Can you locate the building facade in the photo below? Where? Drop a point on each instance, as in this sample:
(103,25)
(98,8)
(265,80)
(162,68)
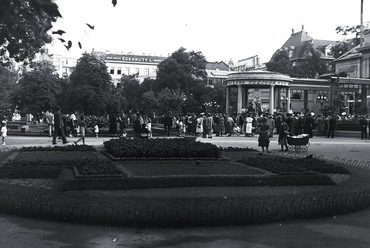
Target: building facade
(353,74)
(144,66)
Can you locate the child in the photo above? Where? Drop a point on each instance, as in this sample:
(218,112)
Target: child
(3,132)
(96,130)
(82,128)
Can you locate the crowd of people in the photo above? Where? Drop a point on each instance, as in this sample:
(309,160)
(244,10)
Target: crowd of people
(204,125)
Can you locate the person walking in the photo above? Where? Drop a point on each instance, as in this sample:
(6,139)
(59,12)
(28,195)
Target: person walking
(332,122)
(82,130)
(4,132)
(263,139)
(58,126)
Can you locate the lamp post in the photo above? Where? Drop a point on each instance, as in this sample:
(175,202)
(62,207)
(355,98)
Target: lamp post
(321,99)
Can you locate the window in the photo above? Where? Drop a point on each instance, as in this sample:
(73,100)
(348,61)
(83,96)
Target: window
(119,70)
(127,71)
(137,71)
(146,72)
(111,70)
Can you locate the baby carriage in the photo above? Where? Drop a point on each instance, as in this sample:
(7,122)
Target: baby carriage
(299,143)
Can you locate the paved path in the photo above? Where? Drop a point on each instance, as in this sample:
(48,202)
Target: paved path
(338,231)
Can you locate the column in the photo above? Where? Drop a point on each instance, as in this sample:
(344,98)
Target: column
(272,99)
(305,101)
(240,100)
(364,98)
(227,100)
(288,99)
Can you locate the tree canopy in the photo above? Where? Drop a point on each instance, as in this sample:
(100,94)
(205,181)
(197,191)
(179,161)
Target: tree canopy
(23,28)
(280,63)
(90,88)
(7,86)
(182,71)
(39,89)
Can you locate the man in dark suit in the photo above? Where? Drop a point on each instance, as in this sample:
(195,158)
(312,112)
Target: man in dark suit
(58,126)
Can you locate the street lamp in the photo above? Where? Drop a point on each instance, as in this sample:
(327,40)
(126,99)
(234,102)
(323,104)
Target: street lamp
(321,99)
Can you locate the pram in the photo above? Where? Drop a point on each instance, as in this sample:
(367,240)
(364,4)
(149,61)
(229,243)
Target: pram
(299,143)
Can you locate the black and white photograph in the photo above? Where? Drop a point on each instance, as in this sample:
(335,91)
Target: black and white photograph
(184,124)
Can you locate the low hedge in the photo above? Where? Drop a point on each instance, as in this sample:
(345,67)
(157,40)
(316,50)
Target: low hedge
(80,148)
(84,166)
(289,166)
(68,181)
(160,148)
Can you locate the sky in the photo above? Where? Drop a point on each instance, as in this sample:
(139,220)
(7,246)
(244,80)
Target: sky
(221,30)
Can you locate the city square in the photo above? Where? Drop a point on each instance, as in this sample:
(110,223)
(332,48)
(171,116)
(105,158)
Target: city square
(171,126)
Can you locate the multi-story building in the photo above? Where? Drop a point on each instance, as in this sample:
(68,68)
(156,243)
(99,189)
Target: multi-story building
(299,43)
(249,64)
(63,65)
(217,72)
(145,66)
(354,67)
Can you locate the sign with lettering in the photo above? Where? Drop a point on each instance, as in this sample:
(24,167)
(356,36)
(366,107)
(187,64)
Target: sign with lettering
(257,82)
(134,58)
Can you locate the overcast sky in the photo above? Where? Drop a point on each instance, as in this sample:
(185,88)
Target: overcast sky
(221,30)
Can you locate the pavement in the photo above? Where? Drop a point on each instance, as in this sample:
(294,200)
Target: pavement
(349,230)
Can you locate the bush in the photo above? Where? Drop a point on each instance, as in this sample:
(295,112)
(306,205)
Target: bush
(160,148)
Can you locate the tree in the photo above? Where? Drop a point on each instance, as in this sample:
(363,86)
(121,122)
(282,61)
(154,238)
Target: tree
(339,49)
(90,89)
(23,28)
(7,86)
(311,66)
(280,63)
(131,91)
(181,72)
(38,90)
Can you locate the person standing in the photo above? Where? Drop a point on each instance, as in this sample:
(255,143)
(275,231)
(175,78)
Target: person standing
(96,130)
(167,123)
(363,125)
(209,125)
(271,124)
(82,130)
(248,127)
(4,132)
(283,133)
(113,124)
(199,128)
(59,127)
(50,121)
(332,122)
(263,138)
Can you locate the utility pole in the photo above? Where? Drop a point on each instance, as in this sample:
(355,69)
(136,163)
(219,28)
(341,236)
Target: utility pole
(362,24)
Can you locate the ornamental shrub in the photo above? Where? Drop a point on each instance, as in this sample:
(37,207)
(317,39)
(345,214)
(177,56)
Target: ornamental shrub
(160,148)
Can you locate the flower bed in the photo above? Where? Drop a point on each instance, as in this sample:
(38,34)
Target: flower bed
(160,149)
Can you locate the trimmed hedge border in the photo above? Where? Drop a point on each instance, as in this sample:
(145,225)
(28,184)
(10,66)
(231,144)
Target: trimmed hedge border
(140,212)
(69,180)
